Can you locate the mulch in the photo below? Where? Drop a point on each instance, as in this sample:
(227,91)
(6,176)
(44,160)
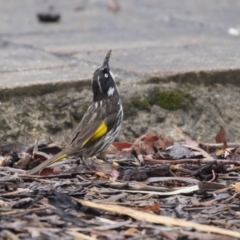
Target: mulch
(151,188)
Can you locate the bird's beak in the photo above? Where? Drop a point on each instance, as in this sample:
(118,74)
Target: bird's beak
(105,63)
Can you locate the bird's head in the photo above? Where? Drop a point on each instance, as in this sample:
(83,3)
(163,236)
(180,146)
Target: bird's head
(103,82)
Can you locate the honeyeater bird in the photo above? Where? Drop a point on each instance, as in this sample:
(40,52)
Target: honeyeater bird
(100,124)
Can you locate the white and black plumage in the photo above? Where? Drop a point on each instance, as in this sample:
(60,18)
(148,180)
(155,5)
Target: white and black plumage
(100,124)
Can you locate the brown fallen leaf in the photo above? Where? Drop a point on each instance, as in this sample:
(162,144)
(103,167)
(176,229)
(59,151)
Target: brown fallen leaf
(40,156)
(101,175)
(131,231)
(237,186)
(144,144)
(54,170)
(2,160)
(47,172)
(122,145)
(163,142)
(219,152)
(123,148)
(221,137)
(155,208)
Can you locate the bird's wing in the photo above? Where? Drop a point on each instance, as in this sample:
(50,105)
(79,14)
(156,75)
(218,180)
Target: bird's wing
(87,131)
(91,127)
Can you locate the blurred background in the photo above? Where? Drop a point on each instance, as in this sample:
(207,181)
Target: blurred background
(176,63)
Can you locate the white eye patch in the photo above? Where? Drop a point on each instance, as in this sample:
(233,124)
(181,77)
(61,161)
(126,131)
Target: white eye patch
(105,75)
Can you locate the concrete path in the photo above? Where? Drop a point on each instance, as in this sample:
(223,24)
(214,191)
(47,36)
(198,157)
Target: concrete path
(148,38)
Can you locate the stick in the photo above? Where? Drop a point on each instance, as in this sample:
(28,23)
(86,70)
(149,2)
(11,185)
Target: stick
(152,218)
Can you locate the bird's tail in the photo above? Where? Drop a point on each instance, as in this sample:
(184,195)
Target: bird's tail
(48,162)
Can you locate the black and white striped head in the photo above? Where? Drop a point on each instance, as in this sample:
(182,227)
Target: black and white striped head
(103,82)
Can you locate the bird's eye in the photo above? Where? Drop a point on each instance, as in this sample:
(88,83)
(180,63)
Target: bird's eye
(105,75)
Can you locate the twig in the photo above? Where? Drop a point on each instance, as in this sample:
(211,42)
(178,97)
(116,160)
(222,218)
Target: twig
(181,190)
(80,236)
(141,187)
(232,169)
(214,176)
(231,198)
(181,179)
(210,186)
(180,161)
(23,211)
(107,226)
(12,170)
(148,217)
(204,153)
(201,204)
(212,147)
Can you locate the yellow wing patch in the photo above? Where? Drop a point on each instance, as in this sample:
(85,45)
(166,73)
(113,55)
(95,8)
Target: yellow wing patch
(101,130)
(58,158)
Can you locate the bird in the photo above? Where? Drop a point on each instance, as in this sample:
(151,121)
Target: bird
(100,124)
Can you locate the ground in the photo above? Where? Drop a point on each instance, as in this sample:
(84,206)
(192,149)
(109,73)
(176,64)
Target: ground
(151,188)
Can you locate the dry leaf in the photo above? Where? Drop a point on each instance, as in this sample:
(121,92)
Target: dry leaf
(51,171)
(152,208)
(122,145)
(2,159)
(3,204)
(163,142)
(219,152)
(101,174)
(131,231)
(237,186)
(221,137)
(144,144)
(46,172)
